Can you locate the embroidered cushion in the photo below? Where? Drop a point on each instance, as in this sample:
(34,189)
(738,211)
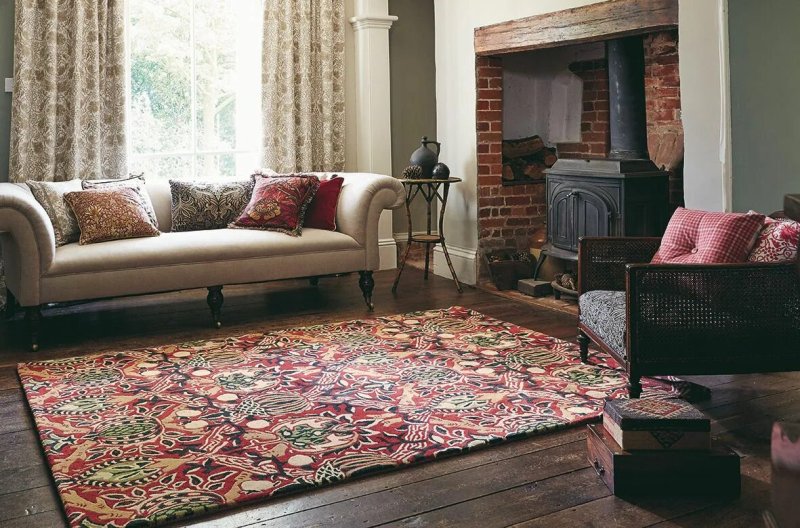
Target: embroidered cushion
(604,313)
(777,241)
(50,196)
(110,214)
(702,237)
(134,182)
(322,209)
(278,204)
(207,205)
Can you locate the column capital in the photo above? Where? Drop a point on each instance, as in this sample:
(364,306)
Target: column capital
(372,22)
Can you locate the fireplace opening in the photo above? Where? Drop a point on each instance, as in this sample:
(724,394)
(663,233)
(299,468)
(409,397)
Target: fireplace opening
(549,110)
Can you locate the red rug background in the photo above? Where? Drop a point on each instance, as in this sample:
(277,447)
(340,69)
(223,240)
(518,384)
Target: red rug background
(157,434)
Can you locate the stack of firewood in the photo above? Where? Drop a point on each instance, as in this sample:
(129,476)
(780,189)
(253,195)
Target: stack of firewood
(526,159)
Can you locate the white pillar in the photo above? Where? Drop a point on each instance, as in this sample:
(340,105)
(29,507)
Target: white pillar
(371,25)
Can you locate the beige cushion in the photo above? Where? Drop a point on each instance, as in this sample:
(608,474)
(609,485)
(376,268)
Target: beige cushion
(192,247)
(51,197)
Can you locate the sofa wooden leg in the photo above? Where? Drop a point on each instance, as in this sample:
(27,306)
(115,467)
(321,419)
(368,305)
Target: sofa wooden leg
(33,315)
(215,300)
(634,386)
(313,281)
(583,343)
(367,284)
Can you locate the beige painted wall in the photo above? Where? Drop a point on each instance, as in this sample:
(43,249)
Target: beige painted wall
(703,92)
(6,70)
(413,86)
(765,108)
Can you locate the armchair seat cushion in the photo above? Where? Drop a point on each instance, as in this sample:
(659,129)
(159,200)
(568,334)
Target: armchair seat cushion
(603,312)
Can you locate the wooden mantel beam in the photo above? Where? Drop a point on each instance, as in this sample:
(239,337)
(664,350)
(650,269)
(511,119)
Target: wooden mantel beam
(591,23)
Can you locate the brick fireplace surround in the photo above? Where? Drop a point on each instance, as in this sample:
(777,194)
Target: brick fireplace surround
(513,216)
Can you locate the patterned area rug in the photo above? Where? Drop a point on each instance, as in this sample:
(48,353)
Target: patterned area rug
(143,437)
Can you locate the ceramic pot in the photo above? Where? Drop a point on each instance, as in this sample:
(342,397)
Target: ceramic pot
(425,157)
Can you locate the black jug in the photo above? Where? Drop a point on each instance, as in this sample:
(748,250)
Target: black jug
(425,157)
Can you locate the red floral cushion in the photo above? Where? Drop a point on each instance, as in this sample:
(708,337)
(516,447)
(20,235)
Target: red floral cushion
(777,241)
(322,210)
(278,204)
(702,237)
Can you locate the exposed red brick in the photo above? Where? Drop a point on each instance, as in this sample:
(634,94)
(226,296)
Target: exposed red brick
(490,93)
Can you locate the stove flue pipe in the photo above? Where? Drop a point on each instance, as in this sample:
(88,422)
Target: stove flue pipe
(628,116)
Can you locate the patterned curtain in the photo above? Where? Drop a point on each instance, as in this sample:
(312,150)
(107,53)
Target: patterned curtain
(68,107)
(303,85)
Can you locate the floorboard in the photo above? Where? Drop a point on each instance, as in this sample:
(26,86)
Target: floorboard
(538,482)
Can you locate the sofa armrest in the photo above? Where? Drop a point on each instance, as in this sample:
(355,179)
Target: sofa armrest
(602,260)
(28,242)
(364,196)
(715,315)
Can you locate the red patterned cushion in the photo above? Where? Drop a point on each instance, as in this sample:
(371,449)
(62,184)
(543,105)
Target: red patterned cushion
(322,211)
(278,204)
(702,237)
(777,241)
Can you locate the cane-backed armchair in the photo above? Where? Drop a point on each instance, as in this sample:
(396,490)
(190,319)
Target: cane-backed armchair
(683,319)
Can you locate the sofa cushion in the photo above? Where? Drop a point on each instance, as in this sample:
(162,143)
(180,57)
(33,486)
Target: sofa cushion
(702,237)
(207,205)
(50,196)
(190,247)
(134,182)
(777,241)
(278,204)
(112,213)
(603,312)
(322,209)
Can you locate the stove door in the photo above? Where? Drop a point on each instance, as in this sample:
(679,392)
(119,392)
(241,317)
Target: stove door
(561,221)
(592,215)
(576,211)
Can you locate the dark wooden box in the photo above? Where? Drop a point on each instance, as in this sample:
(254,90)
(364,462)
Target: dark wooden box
(665,473)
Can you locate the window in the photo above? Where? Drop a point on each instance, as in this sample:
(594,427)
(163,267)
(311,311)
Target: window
(194,87)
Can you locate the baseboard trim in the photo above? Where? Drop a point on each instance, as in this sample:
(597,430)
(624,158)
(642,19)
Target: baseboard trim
(465,263)
(387,250)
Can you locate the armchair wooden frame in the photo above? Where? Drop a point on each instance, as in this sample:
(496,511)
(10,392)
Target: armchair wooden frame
(684,319)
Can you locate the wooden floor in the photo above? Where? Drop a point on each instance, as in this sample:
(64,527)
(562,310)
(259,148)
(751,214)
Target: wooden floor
(540,482)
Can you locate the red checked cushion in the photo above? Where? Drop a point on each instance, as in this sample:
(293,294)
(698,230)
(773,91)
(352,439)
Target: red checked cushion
(278,204)
(322,210)
(702,237)
(777,241)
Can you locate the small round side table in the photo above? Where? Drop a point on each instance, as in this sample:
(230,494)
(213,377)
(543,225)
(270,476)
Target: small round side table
(429,189)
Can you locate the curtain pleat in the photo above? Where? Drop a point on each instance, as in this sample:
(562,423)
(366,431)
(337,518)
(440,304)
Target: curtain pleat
(68,105)
(303,85)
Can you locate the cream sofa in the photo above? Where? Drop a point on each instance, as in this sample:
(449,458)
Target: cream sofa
(38,273)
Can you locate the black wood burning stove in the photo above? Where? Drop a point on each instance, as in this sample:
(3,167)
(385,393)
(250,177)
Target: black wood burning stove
(623,195)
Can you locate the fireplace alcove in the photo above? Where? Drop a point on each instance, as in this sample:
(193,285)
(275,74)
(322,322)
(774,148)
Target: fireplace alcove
(610,186)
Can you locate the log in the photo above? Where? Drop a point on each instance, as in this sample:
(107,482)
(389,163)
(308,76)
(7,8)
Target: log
(534,171)
(519,148)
